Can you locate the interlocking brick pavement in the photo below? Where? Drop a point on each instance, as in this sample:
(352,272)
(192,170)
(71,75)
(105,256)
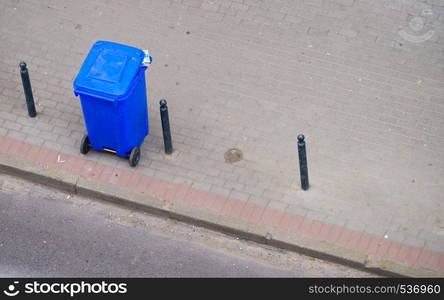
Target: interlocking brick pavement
(252,75)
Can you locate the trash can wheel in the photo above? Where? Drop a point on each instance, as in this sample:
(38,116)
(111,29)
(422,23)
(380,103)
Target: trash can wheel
(85,144)
(134,157)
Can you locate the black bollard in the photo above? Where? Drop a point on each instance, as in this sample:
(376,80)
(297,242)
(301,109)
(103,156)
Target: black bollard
(166,127)
(27,89)
(303,162)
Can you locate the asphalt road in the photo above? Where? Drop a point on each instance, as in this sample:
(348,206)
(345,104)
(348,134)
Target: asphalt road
(48,233)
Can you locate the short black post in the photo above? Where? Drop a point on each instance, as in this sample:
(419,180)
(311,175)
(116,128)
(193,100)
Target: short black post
(303,162)
(166,127)
(27,89)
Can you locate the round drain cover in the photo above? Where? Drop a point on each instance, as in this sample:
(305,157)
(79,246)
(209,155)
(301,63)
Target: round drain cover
(233,155)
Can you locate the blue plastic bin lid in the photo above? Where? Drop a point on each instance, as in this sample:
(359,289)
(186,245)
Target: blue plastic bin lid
(109,70)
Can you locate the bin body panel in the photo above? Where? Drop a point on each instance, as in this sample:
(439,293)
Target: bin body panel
(117,120)
(117,125)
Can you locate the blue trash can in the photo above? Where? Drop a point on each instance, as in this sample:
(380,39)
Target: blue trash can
(112,90)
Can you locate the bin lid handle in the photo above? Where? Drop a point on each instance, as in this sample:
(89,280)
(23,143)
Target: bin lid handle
(147,60)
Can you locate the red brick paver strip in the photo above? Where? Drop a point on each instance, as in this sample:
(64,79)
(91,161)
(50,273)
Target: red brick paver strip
(255,214)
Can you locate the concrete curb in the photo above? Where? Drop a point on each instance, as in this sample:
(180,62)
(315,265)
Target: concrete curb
(202,217)
(35,172)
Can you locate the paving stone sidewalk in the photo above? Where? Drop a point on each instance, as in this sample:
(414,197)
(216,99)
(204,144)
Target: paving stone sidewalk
(363,80)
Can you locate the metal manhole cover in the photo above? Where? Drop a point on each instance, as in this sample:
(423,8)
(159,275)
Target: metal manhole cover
(233,155)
